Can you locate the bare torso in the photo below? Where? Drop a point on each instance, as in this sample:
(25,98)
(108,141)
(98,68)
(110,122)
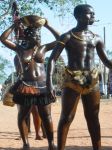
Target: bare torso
(80,50)
(32,62)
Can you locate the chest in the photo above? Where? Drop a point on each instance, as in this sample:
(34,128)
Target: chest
(79,50)
(81,43)
(32,56)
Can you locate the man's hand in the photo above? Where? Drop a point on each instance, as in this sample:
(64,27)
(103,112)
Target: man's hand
(51,92)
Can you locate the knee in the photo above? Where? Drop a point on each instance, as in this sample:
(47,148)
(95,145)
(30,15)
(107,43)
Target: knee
(21,118)
(93,116)
(66,119)
(47,118)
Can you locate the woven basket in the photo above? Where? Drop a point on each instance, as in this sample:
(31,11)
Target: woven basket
(33,20)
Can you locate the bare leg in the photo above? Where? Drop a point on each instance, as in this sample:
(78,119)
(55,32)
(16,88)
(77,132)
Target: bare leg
(43,130)
(27,119)
(91,103)
(23,128)
(37,121)
(70,100)
(45,114)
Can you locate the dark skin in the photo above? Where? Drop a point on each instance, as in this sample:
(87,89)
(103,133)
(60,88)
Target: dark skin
(34,110)
(80,54)
(35,72)
(37,121)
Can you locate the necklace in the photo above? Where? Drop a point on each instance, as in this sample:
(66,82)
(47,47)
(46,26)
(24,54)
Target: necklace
(81,39)
(33,56)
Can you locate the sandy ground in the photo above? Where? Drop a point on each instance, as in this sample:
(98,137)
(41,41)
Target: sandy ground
(78,136)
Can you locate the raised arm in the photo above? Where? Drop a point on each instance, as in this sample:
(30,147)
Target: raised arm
(51,45)
(101,53)
(4,38)
(52,30)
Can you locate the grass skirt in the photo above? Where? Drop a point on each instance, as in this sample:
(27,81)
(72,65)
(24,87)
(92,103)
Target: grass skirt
(27,100)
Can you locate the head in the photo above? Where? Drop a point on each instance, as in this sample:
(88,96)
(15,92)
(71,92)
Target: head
(32,34)
(84,13)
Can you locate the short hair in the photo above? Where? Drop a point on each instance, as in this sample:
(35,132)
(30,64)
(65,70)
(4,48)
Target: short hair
(80,9)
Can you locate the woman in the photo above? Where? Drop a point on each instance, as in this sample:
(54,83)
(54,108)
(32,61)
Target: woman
(34,110)
(31,55)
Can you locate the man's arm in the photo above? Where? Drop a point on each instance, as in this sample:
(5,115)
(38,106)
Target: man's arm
(50,68)
(50,46)
(52,60)
(100,47)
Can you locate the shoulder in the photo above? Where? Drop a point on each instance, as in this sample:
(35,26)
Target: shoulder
(96,36)
(98,39)
(65,37)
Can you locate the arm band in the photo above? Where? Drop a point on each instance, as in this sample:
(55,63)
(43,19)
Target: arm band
(61,42)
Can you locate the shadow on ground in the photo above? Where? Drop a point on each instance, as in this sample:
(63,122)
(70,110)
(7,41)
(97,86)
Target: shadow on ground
(67,148)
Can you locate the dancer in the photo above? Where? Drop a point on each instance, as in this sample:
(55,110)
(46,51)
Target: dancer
(33,77)
(81,75)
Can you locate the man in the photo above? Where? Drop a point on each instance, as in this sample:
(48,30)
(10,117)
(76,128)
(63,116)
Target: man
(81,76)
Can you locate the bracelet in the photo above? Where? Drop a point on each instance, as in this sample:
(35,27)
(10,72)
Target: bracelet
(61,42)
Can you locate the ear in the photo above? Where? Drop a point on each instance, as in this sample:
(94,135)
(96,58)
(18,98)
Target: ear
(79,18)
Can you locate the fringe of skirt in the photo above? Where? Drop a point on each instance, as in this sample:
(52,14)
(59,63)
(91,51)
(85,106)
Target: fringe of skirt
(27,100)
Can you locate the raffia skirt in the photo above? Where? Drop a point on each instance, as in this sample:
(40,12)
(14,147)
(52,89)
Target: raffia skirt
(27,100)
(82,82)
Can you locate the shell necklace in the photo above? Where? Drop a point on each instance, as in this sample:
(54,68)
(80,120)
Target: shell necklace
(86,37)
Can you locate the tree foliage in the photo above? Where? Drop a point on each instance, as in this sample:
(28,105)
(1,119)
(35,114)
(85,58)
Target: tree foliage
(27,7)
(58,72)
(4,64)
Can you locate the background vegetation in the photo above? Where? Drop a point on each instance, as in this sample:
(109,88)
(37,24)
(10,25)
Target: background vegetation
(27,7)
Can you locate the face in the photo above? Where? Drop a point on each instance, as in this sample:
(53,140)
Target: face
(87,17)
(31,36)
(31,39)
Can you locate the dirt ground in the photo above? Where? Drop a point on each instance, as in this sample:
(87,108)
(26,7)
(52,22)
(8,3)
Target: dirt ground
(78,136)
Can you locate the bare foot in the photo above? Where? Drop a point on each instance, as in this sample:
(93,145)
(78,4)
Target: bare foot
(52,147)
(38,137)
(26,147)
(44,136)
